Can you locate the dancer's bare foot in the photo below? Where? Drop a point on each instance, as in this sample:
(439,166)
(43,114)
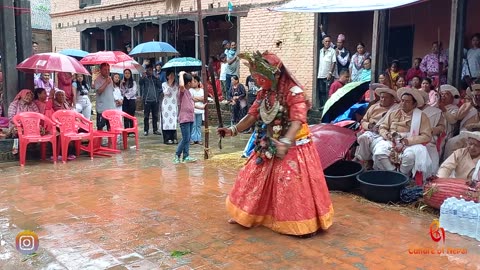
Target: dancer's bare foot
(232,221)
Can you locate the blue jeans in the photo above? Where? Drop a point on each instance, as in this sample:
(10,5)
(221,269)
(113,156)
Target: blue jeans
(228,84)
(184,145)
(197,128)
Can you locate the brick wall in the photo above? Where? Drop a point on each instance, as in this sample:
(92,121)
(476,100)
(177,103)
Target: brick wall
(66,38)
(260,30)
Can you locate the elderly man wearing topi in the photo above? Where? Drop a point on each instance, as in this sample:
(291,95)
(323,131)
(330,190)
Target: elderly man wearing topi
(404,133)
(464,163)
(370,124)
(469,118)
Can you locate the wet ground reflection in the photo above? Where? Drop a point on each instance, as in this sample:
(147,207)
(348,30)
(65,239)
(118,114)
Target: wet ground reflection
(130,211)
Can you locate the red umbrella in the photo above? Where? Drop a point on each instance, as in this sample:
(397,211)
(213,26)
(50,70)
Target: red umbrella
(332,142)
(109,57)
(51,62)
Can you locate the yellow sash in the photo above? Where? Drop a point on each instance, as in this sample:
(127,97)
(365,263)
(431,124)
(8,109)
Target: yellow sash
(303,133)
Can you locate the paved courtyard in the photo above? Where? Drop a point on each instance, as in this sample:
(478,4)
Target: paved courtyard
(137,210)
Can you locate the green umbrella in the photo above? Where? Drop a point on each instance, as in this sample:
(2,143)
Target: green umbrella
(343,99)
(183,62)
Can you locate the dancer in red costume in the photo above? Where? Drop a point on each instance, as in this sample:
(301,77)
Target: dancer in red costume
(282,186)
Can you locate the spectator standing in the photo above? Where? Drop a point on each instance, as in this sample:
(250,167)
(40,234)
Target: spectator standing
(430,64)
(198,96)
(356,63)
(326,67)
(128,88)
(169,108)
(150,90)
(471,65)
(186,117)
(233,65)
(343,55)
(223,74)
(83,104)
(103,85)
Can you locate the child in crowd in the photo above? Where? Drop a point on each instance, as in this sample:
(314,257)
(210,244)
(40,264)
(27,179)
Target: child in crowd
(186,117)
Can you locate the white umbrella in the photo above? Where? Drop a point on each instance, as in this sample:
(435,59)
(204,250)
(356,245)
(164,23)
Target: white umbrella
(331,6)
(133,65)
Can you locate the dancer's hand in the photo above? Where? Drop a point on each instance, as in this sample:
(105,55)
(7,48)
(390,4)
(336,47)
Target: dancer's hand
(282,148)
(224,132)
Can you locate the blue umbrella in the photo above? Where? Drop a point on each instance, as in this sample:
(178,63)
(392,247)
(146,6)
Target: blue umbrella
(153,49)
(183,62)
(74,53)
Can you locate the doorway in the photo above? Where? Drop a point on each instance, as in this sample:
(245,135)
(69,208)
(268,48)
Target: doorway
(400,46)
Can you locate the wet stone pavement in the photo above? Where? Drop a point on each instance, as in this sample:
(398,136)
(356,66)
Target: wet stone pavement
(136,209)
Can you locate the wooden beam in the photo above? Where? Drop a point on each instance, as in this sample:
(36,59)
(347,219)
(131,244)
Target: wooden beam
(381,20)
(23,28)
(8,51)
(203,57)
(457,30)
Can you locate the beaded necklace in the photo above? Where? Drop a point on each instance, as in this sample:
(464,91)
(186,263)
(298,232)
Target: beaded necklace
(276,114)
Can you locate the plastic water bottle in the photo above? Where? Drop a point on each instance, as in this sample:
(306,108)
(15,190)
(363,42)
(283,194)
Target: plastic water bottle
(477,234)
(454,218)
(472,223)
(463,217)
(446,212)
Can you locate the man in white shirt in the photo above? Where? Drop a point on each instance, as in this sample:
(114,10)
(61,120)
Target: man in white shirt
(471,64)
(326,68)
(223,74)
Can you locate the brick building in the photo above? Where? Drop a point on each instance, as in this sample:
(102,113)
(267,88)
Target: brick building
(95,25)
(402,33)
(41,24)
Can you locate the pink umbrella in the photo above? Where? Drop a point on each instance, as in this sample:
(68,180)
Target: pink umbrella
(109,57)
(133,65)
(51,62)
(332,142)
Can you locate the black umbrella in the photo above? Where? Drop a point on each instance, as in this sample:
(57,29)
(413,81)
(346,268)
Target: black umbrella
(343,99)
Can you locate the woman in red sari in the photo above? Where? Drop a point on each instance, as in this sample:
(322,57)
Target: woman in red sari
(282,185)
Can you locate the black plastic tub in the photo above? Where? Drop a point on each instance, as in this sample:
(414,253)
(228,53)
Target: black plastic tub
(342,174)
(382,186)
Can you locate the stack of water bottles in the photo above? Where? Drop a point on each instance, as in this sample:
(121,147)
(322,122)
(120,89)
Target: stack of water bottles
(461,217)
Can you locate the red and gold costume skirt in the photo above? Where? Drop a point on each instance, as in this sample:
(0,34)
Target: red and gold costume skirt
(289,196)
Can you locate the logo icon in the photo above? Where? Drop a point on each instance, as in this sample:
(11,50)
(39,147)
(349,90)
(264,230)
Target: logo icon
(437,233)
(26,242)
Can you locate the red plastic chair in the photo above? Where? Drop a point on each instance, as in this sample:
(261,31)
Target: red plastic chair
(115,118)
(28,126)
(70,124)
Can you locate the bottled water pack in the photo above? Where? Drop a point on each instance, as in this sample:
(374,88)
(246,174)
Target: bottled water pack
(461,217)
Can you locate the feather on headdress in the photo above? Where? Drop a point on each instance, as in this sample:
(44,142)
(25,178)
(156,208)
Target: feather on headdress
(258,64)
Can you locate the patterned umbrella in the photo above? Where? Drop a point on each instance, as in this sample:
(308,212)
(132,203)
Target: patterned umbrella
(332,142)
(153,49)
(343,99)
(133,65)
(74,53)
(109,57)
(51,62)
(183,62)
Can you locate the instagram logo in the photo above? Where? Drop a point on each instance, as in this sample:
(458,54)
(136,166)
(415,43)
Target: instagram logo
(26,242)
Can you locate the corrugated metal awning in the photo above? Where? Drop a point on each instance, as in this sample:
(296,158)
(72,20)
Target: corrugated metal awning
(335,6)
